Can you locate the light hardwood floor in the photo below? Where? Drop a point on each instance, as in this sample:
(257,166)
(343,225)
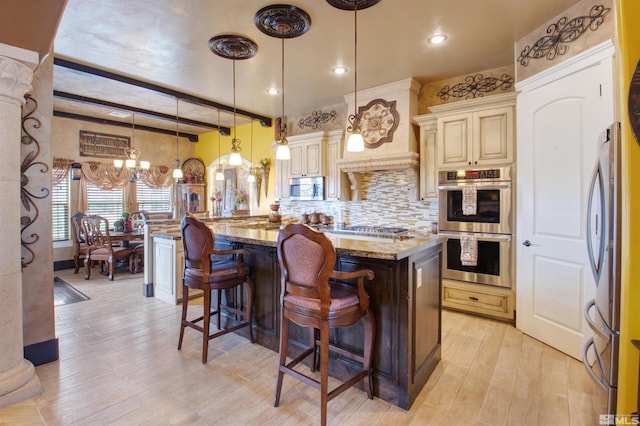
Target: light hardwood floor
(119,366)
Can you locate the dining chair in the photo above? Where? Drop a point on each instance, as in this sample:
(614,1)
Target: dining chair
(208,269)
(100,247)
(80,246)
(137,221)
(313,295)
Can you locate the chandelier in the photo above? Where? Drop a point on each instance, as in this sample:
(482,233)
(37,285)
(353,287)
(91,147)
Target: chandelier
(282,21)
(131,157)
(233,47)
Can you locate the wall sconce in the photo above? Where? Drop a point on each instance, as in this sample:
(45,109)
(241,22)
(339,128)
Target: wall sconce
(76,171)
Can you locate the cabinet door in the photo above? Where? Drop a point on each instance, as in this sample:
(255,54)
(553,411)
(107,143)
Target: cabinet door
(297,161)
(454,136)
(164,271)
(333,171)
(313,157)
(282,179)
(493,136)
(428,173)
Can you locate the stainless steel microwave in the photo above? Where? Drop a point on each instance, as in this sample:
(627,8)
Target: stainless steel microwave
(306,188)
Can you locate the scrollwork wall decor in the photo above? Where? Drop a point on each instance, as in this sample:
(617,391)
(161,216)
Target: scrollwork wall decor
(475,86)
(317,119)
(561,33)
(31,148)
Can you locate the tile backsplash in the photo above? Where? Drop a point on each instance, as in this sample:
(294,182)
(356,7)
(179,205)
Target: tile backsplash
(385,201)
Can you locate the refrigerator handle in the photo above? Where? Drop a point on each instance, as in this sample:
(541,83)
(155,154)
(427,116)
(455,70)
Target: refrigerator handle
(592,261)
(590,320)
(598,380)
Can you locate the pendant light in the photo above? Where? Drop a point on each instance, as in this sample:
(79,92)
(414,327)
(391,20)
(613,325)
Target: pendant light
(282,21)
(235,159)
(355,142)
(233,47)
(282,152)
(251,178)
(177,171)
(219,171)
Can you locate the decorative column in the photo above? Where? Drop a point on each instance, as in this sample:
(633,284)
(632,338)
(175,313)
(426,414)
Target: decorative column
(17,375)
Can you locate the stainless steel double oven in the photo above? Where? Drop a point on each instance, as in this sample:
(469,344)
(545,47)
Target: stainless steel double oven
(491,225)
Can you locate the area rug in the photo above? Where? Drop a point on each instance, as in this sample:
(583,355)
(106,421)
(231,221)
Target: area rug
(64,293)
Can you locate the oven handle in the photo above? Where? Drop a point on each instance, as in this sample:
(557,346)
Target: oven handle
(484,237)
(480,185)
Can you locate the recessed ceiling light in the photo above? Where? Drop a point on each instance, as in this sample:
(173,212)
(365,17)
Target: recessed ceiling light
(119,114)
(339,70)
(273,91)
(437,39)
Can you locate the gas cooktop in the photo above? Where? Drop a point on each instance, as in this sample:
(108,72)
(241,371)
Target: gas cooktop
(367,229)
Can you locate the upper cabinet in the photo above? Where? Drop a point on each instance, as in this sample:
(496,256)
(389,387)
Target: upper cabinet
(476,132)
(428,170)
(306,157)
(314,154)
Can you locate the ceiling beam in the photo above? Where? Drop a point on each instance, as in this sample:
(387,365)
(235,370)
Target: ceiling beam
(264,121)
(80,117)
(94,101)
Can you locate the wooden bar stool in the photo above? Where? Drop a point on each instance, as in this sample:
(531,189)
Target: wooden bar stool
(208,269)
(307,259)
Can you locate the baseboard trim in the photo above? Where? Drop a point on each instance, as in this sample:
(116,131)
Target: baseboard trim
(43,352)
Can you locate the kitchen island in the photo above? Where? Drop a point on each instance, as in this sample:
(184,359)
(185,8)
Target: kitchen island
(405,298)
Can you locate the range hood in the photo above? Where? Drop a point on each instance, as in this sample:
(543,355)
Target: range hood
(400,152)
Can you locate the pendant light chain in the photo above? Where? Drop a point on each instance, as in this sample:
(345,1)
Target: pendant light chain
(355,64)
(177,171)
(283,123)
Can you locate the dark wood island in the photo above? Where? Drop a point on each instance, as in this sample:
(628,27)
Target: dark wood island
(405,297)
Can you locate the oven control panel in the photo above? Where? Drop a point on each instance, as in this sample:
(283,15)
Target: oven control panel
(497,174)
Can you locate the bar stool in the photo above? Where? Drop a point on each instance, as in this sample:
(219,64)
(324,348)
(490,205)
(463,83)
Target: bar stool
(208,269)
(307,259)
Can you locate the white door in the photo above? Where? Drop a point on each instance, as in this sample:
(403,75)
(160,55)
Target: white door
(559,120)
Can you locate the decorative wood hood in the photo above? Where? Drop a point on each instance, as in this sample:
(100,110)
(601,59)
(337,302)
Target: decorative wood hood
(390,139)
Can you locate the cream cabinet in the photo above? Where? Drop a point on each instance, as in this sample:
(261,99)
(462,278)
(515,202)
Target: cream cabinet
(337,183)
(167,269)
(282,176)
(306,157)
(476,132)
(428,168)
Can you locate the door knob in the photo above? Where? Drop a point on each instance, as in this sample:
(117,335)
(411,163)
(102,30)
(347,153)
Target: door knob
(526,243)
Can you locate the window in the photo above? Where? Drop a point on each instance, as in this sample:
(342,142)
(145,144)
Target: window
(60,198)
(153,199)
(104,202)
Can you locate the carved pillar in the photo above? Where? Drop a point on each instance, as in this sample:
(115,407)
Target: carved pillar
(17,375)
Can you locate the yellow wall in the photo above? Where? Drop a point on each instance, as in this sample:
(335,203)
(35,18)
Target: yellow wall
(628,13)
(207,151)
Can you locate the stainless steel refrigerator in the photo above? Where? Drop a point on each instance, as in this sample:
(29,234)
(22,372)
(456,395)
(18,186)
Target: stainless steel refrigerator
(600,353)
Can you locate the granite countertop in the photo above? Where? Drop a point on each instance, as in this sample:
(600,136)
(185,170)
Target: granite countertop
(352,245)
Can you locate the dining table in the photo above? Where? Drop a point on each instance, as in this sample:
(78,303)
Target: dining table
(126,237)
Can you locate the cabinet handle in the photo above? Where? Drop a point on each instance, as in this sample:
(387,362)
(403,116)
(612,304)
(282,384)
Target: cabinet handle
(475,299)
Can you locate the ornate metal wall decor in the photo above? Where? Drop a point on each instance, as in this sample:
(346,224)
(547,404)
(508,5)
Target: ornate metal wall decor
(317,119)
(29,206)
(379,120)
(561,33)
(634,103)
(475,86)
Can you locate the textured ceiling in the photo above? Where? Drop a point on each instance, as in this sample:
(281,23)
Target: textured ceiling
(165,42)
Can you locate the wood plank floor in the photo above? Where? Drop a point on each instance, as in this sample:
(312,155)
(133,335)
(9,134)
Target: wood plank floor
(119,366)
